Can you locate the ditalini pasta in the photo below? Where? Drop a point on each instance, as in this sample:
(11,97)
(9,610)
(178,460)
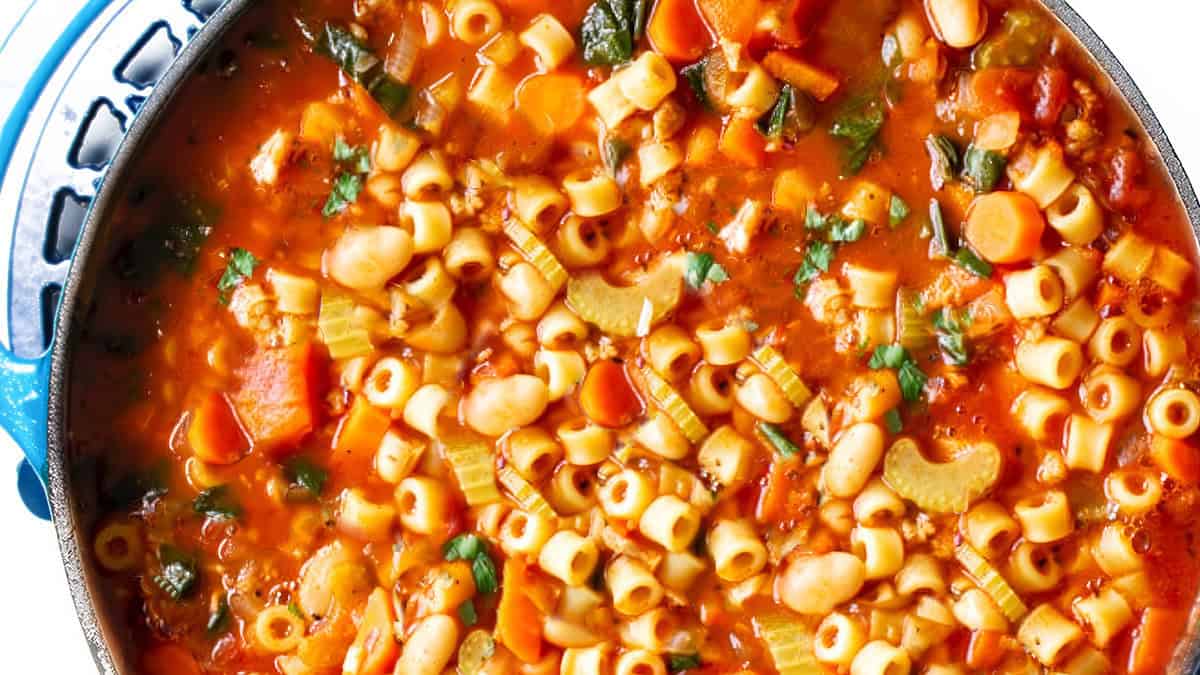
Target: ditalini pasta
(587,337)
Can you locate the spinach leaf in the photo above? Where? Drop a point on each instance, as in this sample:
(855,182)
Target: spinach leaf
(217,502)
(943,160)
(607,38)
(240,267)
(179,574)
(893,421)
(702,267)
(360,64)
(694,76)
(950,336)
(857,127)
(982,169)
(467,613)
(941,236)
(173,242)
(771,124)
(306,480)
(615,152)
(218,619)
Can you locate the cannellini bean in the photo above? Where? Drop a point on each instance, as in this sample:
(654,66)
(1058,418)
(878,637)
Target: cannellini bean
(816,584)
(364,258)
(958,23)
(430,647)
(495,406)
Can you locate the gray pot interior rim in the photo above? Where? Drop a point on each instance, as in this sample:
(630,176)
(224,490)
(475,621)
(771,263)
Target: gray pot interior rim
(62,502)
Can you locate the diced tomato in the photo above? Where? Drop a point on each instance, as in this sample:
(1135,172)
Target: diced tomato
(1125,191)
(731,20)
(359,433)
(607,396)
(677,32)
(1050,95)
(800,20)
(278,400)
(995,90)
(214,434)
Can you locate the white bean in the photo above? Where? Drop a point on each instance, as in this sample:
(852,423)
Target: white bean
(365,258)
(498,405)
(958,23)
(816,584)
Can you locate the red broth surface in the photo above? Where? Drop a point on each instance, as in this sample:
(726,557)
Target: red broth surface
(646,336)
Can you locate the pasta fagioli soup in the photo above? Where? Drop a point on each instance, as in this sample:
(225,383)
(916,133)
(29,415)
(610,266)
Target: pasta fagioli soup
(644,337)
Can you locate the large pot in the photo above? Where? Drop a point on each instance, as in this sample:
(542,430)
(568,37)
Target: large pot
(33,392)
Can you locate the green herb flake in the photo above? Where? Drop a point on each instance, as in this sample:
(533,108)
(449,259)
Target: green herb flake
(463,547)
(487,579)
(677,663)
(943,160)
(179,574)
(305,478)
(982,169)
(971,262)
(471,548)
(950,336)
(818,256)
(814,219)
(892,420)
(239,268)
(771,124)
(346,188)
(615,152)
(858,127)
(912,378)
(898,210)
(778,439)
(702,267)
(847,230)
(466,612)
(712,227)
(217,502)
(357,158)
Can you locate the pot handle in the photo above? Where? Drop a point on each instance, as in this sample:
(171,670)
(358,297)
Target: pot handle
(24,390)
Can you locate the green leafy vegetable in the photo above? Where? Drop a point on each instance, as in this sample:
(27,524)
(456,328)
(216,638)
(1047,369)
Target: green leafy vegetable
(140,485)
(346,188)
(487,579)
(218,619)
(240,267)
(471,548)
(179,573)
(360,64)
(943,160)
(466,612)
(701,267)
(898,210)
(950,336)
(615,152)
(818,256)
(1022,38)
(970,261)
(217,502)
(941,237)
(694,76)
(306,480)
(912,378)
(463,547)
(847,230)
(777,438)
(893,421)
(982,169)
(172,242)
(712,227)
(857,127)
(610,28)
(677,663)
(771,124)
(356,156)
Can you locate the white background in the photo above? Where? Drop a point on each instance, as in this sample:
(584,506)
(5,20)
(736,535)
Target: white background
(1155,39)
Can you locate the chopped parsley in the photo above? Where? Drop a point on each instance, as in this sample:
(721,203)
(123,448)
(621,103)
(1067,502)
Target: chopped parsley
(179,573)
(615,152)
(778,439)
(473,549)
(356,156)
(857,127)
(702,267)
(943,160)
(361,64)
(677,663)
(712,227)
(467,613)
(847,230)
(893,421)
(354,163)
(818,256)
(610,30)
(306,480)
(898,210)
(982,169)
(217,502)
(239,268)
(950,335)
(912,378)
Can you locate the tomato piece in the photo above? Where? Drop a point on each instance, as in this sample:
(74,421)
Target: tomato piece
(214,433)
(1050,95)
(995,90)
(279,396)
(800,20)
(607,396)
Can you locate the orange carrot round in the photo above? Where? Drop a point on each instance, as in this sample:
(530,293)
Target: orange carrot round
(1004,227)
(552,102)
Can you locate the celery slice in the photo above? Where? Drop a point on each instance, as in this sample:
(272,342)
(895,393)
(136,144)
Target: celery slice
(674,406)
(536,253)
(790,643)
(471,461)
(778,370)
(525,494)
(344,337)
(992,583)
(914,332)
(947,487)
(619,310)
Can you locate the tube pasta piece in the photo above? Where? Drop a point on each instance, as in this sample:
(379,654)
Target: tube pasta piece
(773,364)
(536,253)
(947,487)
(992,583)
(471,461)
(674,406)
(523,493)
(343,336)
(627,311)
(790,643)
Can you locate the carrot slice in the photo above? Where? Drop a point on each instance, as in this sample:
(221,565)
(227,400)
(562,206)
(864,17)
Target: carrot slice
(214,433)
(998,131)
(375,645)
(731,20)
(1004,227)
(278,399)
(1177,459)
(607,397)
(677,32)
(169,660)
(801,74)
(742,143)
(552,102)
(1154,640)
(800,19)
(359,433)
(518,625)
(985,649)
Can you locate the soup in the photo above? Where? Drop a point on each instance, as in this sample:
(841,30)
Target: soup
(633,337)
